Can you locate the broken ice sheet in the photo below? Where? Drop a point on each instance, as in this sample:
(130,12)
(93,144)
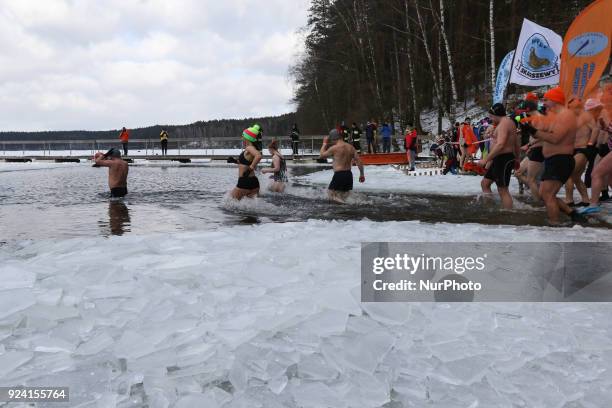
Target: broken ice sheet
(14,276)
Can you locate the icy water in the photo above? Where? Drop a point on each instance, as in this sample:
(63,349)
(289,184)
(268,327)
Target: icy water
(73,201)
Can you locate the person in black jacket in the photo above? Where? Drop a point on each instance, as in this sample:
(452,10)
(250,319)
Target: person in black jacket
(295,140)
(356,137)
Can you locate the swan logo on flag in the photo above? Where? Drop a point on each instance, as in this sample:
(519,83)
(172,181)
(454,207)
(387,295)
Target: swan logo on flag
(587,45)
(538,60)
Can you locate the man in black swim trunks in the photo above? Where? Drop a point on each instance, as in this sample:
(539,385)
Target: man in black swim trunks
(117,171)
(503,157)
(344,155)
(557,131)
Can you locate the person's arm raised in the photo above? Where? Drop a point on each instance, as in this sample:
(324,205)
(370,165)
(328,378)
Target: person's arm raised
(326,151)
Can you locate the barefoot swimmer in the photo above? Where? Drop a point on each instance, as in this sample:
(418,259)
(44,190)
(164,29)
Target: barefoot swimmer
(248,184)
(344,154)
(117,171)
(502,158)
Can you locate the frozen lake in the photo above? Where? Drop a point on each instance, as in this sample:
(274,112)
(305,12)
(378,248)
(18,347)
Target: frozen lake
(181,298)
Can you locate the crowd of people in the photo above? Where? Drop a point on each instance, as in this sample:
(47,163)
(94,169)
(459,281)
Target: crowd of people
(550,147)
(547,145)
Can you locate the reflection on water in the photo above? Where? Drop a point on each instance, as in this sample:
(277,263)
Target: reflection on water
(118,218)
(63,202)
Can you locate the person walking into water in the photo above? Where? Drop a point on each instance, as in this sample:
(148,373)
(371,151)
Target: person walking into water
(295,140)
(248,184)
(278,169)
(117,171)
(344,154)
(124,137)
(584,150)
(163,139)
(557,132)
(502,158)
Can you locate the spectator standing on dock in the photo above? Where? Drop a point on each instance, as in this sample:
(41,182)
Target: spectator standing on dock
(124,136)
(356,137)
(410,143)
(386,138)
(295,140)
(371,137)
(163,139)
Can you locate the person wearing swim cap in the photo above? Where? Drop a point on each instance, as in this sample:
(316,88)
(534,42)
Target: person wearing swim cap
(117,171)
(557,134)
(503,156)
(344,155)
(248,184)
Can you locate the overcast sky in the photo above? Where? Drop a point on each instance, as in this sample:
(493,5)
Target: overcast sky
(103,64)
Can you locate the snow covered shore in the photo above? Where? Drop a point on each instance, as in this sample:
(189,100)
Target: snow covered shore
(269,315)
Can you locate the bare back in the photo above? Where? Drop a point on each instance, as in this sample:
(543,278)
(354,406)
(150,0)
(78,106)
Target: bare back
(343,154)
(117,173)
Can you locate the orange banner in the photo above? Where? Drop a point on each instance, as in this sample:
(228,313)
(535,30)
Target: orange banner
(586,50)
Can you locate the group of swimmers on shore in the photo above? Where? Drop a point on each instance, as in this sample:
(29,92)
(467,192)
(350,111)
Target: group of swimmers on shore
(561,144)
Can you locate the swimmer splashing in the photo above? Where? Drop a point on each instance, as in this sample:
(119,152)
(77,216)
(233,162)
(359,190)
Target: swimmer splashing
(248,184)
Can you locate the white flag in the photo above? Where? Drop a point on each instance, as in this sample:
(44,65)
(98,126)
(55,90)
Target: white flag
(536,61)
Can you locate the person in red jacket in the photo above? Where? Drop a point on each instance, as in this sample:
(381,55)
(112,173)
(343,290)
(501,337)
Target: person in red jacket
(410,143)
(467,140)
(124,136)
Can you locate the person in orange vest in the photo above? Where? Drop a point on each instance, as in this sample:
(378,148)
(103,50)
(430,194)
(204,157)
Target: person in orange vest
(467,142)
(124,136)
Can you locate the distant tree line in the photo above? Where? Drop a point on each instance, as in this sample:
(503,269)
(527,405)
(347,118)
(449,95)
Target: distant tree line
(391,59)
(272,126)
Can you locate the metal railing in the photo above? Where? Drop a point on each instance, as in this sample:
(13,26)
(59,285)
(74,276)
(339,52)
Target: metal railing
(182,146)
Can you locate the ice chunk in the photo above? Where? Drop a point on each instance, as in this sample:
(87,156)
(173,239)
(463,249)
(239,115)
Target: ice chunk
(15,301)
(95,345)
(48,344)
(196,400)
(13,277)
(49,297)
(326,323)
(315,367)
(316,395)
(11,360)
(388,313)
(133,345)
(361,352)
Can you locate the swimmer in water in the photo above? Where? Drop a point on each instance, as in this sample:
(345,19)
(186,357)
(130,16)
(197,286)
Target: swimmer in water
(248,184)
(117,171)
(278,169)
(344,155)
